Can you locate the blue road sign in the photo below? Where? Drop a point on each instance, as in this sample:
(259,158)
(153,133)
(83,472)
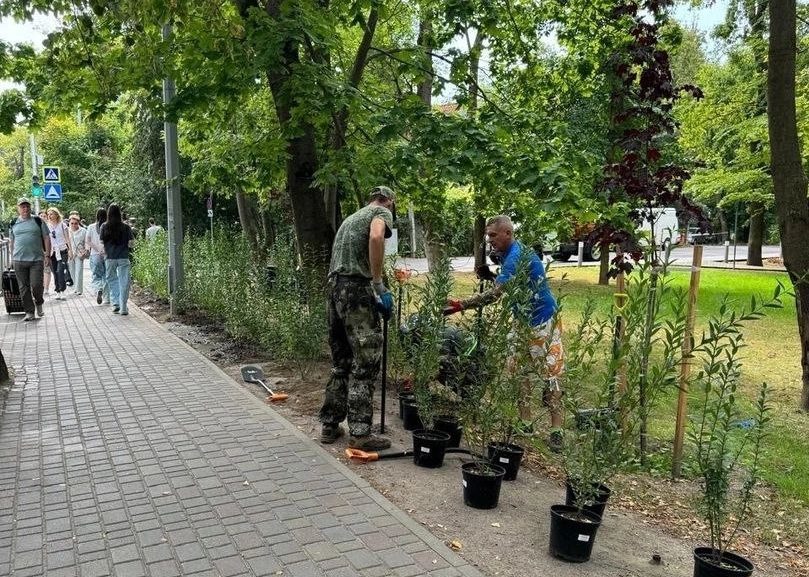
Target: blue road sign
(51,174)
(53,192)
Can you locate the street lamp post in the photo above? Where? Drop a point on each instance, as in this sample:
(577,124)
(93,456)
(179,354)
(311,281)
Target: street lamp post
(174,222)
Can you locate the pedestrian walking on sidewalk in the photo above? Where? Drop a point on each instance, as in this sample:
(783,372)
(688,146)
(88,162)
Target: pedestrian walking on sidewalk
(98,269)
(46,280)
(61,251)
(78,242)
(357,297)
(30,245)
(118,239)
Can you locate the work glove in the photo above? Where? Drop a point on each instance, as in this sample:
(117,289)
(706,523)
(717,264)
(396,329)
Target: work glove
(384,300)
(453,306)
(485,273)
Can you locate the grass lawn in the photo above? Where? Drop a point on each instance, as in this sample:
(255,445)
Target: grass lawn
(772,355)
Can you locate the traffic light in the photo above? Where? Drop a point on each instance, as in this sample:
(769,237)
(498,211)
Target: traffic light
(36,187)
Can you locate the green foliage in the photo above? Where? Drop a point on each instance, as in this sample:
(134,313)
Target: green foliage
(286,316)
(510,376)
(424,343)
(718,434)
(151,265)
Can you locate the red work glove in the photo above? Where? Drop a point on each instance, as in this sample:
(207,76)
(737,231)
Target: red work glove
(453,306)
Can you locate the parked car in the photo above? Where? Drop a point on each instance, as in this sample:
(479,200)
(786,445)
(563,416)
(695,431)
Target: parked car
(565,249)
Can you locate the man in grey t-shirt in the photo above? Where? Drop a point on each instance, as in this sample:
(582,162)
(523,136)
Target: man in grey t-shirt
(30,243)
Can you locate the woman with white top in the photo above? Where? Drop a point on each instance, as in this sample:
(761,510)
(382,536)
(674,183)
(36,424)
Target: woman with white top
(97,258)
(61,251)
(77,236)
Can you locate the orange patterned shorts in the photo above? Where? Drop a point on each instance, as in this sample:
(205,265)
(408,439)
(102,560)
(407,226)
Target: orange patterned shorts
(546,345)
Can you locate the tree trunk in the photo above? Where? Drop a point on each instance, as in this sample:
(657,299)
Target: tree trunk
(267,227)
(4,377)
(789,181)
(604,264)
(246,206)
(478,234)
(313,230)
(434,247)
(756,236)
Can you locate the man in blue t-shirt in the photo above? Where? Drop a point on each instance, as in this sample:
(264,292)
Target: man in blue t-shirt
(546,342)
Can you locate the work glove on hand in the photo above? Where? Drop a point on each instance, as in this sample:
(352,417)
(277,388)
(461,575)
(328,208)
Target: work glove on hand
(384,300)
(453,306)
(485,273)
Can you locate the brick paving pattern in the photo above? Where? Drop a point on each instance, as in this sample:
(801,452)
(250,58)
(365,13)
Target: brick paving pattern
(125,452)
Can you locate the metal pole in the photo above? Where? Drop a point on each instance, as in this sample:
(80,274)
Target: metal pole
(735,233)
(174,220)
(34,170)
(411,215)
(580,256)
(384,373)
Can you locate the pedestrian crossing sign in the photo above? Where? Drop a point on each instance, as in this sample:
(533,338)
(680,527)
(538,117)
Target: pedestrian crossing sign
(53,192)
(51,174)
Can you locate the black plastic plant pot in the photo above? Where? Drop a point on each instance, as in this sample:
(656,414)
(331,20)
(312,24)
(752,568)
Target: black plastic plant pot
(709,563)
(596,506)
(410,416)
(429,447)
(449,424)
(572,533)
(481,484)
(598,419)
(403,398)
(507,456)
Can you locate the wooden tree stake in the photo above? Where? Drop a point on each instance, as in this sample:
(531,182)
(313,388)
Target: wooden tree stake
(685,366)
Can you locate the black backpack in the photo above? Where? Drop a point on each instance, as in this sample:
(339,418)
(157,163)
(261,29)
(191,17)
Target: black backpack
(39,224)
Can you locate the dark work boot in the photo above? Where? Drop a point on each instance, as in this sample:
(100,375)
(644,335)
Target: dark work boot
(369,442)
(330,433)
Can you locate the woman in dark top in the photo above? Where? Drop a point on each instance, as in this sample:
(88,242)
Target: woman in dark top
(117,238)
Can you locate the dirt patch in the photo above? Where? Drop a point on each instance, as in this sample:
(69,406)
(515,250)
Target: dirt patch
(648,518)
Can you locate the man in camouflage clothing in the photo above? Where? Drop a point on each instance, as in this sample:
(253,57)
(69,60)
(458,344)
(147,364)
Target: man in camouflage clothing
(357,298)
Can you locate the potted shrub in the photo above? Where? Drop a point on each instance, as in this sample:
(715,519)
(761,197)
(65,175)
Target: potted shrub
(481,479)
(720,443)
(595,439)
(424,342)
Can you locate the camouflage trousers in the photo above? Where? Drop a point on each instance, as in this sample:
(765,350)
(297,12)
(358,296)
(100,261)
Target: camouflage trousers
(355,338)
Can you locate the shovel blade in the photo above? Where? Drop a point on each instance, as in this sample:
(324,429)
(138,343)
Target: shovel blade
(252,374)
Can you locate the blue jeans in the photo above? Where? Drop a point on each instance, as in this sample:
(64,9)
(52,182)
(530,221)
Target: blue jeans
(118,280)
(99,270)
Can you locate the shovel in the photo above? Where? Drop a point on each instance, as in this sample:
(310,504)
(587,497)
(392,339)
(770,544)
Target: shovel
(254,374)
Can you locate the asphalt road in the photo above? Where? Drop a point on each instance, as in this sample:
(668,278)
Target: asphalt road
(712,255)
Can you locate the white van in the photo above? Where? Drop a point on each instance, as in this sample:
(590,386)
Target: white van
(666,226)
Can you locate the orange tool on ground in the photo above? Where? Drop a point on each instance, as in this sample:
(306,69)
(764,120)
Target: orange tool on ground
(254,374)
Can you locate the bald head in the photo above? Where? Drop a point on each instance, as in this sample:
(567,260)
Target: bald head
(500,232)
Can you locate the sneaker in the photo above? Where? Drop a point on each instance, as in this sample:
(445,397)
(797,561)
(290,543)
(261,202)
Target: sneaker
(124,313)
(555,442)
(330,433)
(369,442)
(28,317)
(99,297)
(40,311)
(116,310)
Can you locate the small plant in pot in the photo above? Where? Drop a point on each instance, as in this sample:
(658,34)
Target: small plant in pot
(481,479)
(423,345)
(596,445)
(726,445)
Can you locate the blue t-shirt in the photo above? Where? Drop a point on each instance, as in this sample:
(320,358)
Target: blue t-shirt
(544,305)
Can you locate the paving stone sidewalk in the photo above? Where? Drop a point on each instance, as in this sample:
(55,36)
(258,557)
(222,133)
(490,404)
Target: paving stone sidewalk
(125,452)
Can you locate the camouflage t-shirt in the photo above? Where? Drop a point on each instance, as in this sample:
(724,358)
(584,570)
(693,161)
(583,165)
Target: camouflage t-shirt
(349,255)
